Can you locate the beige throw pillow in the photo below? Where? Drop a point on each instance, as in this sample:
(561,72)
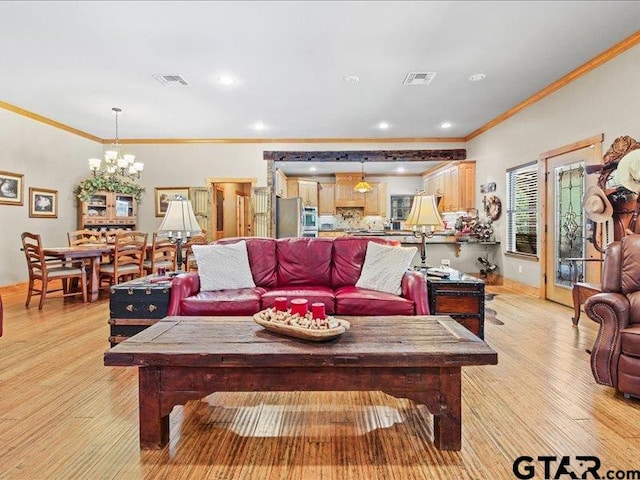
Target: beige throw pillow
(223,267)
(384,266)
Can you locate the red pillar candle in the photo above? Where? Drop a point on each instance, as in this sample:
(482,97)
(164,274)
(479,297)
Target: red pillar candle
(281,304)
(318,311)
(299,306)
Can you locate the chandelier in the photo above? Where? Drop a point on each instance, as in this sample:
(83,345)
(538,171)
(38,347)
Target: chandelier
(114,164)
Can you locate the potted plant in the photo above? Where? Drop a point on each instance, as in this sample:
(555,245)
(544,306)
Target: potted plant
(89,186)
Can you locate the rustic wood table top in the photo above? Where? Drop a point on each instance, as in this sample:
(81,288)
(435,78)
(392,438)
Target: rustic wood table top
(394,341)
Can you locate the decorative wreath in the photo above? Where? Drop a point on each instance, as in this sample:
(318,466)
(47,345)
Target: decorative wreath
(492,207)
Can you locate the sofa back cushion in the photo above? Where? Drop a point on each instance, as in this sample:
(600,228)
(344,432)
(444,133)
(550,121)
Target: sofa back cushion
(348,258)
(262,258)
(304,261)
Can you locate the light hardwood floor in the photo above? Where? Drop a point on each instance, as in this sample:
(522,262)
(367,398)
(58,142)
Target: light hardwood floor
(63,415)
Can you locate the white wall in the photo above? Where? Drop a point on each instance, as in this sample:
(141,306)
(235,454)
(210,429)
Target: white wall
(606,100)
(48,158)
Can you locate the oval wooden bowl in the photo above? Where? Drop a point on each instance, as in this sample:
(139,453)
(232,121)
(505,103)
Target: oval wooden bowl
(304,333)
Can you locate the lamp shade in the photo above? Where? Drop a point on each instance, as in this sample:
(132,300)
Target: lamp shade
(179,217)
(424,211)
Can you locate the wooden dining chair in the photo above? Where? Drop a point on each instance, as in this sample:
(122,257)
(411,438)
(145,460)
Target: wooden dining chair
(82,237)
(45,270)
(163,255)
(129,249)
(189,259)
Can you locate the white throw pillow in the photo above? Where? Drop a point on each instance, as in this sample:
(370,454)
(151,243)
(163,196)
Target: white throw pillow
(384,266)
(223,267)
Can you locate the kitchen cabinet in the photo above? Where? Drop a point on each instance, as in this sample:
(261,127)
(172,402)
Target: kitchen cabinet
(326,199)
(375,201)
(108,210)
(345,195)
(455,184)
(305,189)
(281,184)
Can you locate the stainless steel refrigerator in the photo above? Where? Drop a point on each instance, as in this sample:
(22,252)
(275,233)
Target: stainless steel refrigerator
(288,217)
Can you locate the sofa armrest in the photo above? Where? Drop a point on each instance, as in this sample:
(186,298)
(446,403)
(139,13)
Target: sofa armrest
(183,286)
(414,287)
(611,311)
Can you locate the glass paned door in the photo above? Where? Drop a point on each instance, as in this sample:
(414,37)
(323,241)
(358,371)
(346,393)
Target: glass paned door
(565,225)
(569,222)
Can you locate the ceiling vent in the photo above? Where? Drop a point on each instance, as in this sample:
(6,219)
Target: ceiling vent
(419,78)
(172,80)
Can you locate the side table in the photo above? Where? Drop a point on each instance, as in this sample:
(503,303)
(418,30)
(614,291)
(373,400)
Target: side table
(461,297)
(136,305)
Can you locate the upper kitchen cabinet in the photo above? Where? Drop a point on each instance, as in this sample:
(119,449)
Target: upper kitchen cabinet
(326,199)
(281,184)
(345,194)
(375,201)
(305,189)
(455,182)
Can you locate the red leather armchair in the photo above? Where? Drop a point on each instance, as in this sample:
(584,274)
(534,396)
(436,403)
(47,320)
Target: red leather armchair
(318,269)
(615,357)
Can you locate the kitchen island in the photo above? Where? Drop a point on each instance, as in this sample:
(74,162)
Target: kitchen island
(439,247)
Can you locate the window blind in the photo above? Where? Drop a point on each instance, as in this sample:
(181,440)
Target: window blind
(522,209)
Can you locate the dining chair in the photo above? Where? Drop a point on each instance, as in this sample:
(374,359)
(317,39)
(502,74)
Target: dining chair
(46,270)
(163,255)
(129,249)
(189,259)
(82,237)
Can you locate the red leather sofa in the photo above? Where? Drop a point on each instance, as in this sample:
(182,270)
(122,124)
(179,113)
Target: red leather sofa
(318,269)
(615,356)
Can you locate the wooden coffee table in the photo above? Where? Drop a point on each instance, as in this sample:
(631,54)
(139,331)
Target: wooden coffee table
(188,358)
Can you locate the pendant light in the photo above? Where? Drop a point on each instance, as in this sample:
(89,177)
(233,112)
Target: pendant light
(362,186)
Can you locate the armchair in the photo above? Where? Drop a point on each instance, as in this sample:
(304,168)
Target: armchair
(615,357)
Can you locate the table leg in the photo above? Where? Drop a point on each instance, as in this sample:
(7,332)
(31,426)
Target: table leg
(576,304)
(154,427)
(447,423)
(94,281)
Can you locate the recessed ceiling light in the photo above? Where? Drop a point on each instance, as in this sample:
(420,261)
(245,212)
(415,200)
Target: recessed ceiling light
(383,125)
(476,77)
(445,125)
(259,126)
(312,169)
(351,79)
(400,169)
(226,80)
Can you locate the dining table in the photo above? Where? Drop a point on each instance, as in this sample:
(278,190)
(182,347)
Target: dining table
(91,252)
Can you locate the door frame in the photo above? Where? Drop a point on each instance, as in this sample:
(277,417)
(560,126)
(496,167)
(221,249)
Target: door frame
(546,202)
(214,182)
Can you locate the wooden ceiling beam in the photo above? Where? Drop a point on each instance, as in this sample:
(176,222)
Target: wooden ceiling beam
(368,155)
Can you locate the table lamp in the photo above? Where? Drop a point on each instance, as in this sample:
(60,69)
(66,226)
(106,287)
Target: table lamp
(424,213)
(179,223)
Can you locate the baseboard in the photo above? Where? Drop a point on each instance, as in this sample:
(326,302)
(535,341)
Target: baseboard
(521,288)
(21,287)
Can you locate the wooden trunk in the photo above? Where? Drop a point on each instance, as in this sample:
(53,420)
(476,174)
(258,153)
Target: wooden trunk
(136,305)
(461,299)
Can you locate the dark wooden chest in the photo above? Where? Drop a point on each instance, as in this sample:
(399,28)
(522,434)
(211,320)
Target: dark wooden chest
(461,297)
(137,304)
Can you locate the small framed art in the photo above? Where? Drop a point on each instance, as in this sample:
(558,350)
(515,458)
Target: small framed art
(11,188)
(43,203)
(164,194)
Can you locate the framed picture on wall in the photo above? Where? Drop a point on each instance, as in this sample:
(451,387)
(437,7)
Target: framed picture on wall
(43,203)
(164,194)
(11,188)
